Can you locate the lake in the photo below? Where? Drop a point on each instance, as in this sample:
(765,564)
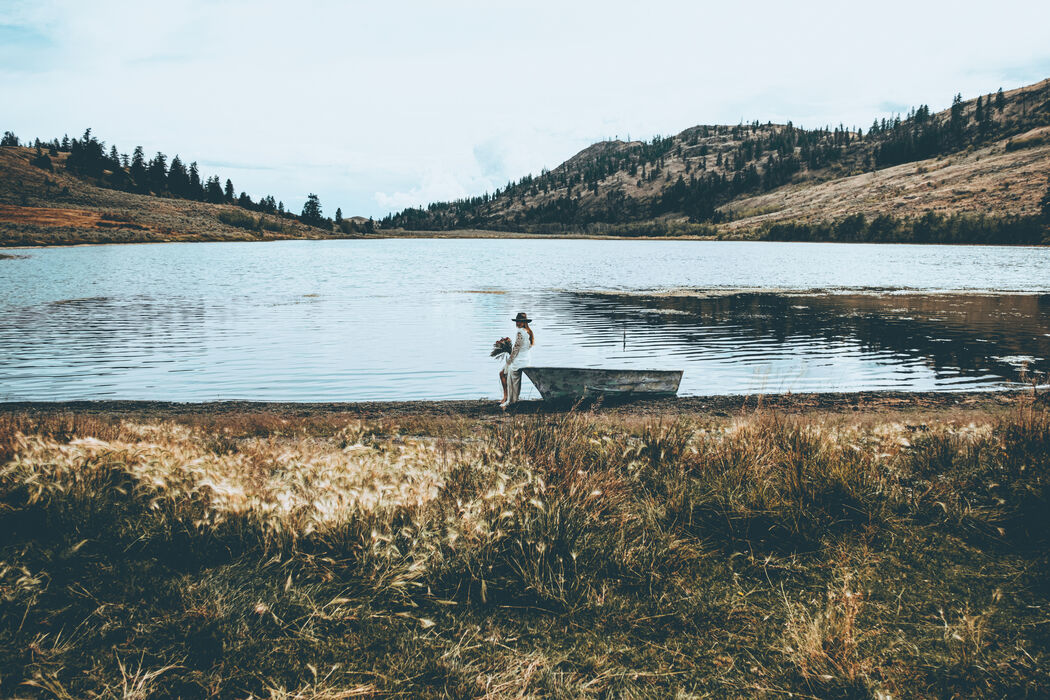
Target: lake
(415,318)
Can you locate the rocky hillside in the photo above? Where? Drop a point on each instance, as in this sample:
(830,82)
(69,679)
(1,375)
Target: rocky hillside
(990,154)
(45,204)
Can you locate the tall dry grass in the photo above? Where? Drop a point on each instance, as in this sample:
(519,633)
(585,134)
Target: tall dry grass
(236,555)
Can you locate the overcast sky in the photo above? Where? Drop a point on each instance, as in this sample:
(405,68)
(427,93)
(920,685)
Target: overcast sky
(380,105)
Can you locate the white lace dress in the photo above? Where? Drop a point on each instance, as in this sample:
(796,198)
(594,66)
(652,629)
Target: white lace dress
(518,358)
(519,352)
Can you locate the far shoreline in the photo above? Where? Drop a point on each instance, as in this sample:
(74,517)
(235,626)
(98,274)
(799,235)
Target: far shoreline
(745,236)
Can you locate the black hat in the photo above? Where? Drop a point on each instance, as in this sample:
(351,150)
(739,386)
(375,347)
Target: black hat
(522,316)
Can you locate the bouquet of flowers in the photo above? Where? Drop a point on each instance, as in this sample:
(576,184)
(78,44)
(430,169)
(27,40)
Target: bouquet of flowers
(501,348)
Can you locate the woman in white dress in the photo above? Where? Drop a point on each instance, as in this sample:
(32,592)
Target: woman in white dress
(510,375)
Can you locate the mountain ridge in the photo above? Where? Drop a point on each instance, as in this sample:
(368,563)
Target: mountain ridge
(713,174)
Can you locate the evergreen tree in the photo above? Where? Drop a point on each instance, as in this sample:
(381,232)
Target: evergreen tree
(312,211)
(1045,204)
(178,178)
(228,192)
(9,139)
(87,156)
(138,168)
(213,190)
(1000,101)
(157,173)
(338,216)
(955,124)
(196,190)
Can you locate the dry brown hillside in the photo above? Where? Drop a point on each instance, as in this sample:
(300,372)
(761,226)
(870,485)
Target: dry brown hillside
(38,207)
(988,180)
(988,158)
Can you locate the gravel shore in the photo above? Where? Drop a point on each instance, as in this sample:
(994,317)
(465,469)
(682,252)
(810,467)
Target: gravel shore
(715,405)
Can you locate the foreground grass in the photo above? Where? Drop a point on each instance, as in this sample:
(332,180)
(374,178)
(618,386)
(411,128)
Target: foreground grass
(250,555)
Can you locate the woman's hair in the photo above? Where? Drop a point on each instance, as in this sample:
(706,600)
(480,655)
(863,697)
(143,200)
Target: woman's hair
(532,336)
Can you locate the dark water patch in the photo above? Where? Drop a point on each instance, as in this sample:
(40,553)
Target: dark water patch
(932,340)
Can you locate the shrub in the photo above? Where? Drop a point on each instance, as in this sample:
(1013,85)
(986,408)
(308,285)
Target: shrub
(240,219)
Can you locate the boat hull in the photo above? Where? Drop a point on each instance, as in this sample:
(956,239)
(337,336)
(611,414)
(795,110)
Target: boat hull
(556,383)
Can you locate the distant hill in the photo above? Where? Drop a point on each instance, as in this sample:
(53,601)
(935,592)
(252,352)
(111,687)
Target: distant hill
(974,173)
(43,200)
(985,157)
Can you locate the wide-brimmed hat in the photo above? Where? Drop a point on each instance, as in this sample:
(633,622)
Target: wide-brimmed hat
(522,316)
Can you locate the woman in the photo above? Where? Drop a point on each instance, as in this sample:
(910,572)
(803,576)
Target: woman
(510,375)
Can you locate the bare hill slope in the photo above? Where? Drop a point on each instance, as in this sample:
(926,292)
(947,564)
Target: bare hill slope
(988,155)
(42,207)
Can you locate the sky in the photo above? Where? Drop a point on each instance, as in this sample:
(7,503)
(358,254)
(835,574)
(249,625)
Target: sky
(376,106)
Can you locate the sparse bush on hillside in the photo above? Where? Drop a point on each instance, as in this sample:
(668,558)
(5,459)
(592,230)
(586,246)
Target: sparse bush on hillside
(42,161)
(1027,142)
(1044,205)
(240,219)
(928,228)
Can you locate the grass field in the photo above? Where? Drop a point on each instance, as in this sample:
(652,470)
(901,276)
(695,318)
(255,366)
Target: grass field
(763,553)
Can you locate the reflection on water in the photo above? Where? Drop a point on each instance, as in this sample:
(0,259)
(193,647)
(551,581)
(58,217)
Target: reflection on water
(781,342)
(364,320)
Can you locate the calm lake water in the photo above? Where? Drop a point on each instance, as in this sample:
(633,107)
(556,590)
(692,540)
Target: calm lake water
(415,319)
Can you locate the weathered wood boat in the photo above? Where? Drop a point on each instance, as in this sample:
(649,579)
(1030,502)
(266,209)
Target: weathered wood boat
(556,383)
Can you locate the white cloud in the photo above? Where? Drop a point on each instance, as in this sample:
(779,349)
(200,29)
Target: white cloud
(373,105)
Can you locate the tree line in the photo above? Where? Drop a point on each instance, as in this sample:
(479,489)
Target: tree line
(931,227)
(89,158)
(721,163)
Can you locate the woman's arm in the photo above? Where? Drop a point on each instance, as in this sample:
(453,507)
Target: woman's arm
(516,349)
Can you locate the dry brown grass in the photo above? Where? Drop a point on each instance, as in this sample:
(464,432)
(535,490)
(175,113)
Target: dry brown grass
(56,208)
(578,554)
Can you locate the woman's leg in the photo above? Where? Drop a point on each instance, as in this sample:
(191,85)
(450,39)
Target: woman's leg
(503,381)
(513,385)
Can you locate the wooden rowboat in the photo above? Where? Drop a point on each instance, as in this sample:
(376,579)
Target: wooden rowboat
(556,383)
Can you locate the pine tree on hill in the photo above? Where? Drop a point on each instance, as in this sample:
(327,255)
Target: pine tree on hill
(138,168)
(196,189)
(312,211)
(1044,205)
(213,190)
(956,123)
(228,191)
(178,178)
(157,173)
